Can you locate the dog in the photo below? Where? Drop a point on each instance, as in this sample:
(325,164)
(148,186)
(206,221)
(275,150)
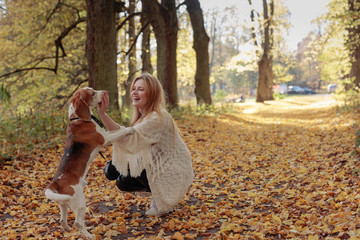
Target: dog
(85,137)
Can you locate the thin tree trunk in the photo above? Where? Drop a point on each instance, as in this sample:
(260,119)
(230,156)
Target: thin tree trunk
(253,32)
(212,38)
(353,42)
(212,60)
(126,99)
(145,46)
(265,84)
(101,48)
(164,21)
(201,47)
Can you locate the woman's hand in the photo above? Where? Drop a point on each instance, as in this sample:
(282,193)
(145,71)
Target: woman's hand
(108,122)
(104,103)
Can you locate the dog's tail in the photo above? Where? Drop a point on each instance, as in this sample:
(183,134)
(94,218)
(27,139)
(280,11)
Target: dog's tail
(57,196)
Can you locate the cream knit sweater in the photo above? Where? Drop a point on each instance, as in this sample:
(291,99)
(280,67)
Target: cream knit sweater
(157,147)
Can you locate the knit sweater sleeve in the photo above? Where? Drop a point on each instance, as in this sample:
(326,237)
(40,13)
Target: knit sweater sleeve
(146,133)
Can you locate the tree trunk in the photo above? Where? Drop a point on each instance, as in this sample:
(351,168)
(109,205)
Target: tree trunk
(101,47)
(265,84)
(356,67)
(201,47)
(353,42)
(145,46)
(212,38)
(212,59)
(253,32)
(164,21)
(126,99)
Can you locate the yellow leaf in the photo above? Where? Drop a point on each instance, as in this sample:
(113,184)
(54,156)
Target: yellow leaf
(177,236)
(171,224)
(276,219)
(98,229)
(354,238)
(227,227)
(313,237)
(337,229)
(21,199)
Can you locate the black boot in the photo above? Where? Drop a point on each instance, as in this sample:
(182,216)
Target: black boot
(110,171)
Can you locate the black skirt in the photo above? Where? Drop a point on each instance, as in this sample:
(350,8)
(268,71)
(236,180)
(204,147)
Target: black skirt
(127,183)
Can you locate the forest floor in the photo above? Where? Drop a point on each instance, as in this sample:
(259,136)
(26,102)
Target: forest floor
(279,170)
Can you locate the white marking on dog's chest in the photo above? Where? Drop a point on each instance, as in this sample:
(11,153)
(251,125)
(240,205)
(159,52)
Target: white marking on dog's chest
(92,156)
(99,129)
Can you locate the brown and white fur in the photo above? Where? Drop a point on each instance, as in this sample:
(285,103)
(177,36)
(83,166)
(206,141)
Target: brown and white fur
(84,139)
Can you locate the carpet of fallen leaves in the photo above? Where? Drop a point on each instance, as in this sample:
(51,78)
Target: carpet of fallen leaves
(280,170)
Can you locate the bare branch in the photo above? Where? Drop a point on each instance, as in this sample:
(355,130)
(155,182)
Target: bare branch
(183,3)
(41,29)
(74,8)
(58,42)
(58,45)
(135,40)
(126,19)
(25,70)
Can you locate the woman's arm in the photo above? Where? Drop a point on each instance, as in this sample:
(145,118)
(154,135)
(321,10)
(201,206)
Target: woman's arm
(146,133)
(108,122)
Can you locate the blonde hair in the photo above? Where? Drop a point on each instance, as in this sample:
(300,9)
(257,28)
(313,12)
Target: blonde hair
(154,94)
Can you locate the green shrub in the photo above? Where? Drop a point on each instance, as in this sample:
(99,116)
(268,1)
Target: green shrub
(23,133)
(220,94)
(278,96)
(350,100)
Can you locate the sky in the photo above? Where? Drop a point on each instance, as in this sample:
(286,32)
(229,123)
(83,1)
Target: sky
(302,12)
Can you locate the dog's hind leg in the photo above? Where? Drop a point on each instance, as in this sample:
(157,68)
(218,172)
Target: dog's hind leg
(79,222)
(79,207)
(63,219)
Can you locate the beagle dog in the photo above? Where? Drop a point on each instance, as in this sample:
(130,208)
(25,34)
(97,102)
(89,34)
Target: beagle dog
(84,139)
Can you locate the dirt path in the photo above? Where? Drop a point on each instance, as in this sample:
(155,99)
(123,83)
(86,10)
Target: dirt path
(279,170)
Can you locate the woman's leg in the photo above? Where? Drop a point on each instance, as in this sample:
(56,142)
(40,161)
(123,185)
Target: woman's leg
(133,184)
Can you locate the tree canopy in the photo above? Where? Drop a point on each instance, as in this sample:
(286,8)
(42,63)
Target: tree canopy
(43,57)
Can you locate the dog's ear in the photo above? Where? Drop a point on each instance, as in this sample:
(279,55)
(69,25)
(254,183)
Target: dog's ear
(82,110)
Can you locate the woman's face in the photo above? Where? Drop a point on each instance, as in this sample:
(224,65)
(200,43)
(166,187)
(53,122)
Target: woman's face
(138,95)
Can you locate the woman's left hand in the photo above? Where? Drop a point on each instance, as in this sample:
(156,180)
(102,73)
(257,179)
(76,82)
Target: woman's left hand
(104,103)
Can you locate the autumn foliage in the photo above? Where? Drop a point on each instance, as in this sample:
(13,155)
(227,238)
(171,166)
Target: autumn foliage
(280,170)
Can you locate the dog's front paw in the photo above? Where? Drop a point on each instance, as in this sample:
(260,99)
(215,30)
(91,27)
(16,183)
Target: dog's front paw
(65,225)
(90,236)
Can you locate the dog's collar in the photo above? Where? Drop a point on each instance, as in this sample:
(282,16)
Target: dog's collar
(97,121)
(75,118)
(93,118)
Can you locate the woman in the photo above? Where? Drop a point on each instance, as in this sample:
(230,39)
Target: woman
(155,158)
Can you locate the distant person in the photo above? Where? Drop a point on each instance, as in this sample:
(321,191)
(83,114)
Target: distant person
(155,159)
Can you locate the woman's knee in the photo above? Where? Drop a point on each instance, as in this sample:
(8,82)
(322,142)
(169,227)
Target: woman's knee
(133,184)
